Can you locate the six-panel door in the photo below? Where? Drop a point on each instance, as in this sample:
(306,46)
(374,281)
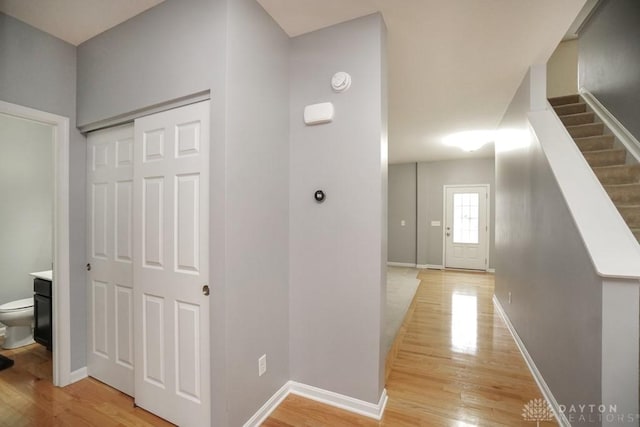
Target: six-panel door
(110,245)
(171,245)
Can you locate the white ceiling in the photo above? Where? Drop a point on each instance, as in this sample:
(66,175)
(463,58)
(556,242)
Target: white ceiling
(75,21)
(454,65)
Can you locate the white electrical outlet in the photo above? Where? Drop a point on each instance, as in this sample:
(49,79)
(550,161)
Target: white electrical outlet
(403,223)
(509,297)
(262,365)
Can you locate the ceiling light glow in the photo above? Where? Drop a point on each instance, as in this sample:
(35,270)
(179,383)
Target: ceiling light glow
(469,140)
(512,139)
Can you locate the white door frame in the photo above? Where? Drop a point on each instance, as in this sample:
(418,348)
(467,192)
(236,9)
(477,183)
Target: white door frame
(444,219)
(61,270)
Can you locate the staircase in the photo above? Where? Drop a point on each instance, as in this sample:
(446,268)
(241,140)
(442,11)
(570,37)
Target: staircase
(616,169)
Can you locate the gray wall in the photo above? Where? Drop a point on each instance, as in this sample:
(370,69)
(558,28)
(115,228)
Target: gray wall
(235,50)
(156,56)
(257,162)
(337,259)
(432,176)
(26,212)
(609,59)
(220,405)
(541,259)
(218,217)
(39,71)
(402,207)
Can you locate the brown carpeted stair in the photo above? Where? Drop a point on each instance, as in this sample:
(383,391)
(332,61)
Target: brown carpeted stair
(577,119)
(616,170)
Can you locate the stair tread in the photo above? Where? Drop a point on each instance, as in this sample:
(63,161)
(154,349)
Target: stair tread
(562,100)
(596,152)
(584,125)
(607,150)
(586,113)
(607,157)
(578,107)
(594,143)
(618,166)
(580,118)
(572,104)
(626,184)
(585,138)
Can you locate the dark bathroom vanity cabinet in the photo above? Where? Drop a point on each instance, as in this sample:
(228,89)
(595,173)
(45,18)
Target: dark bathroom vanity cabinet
(42,312)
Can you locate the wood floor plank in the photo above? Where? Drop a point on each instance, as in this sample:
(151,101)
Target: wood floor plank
(453,364)
(29,399)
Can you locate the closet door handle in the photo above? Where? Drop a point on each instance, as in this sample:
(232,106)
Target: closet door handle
(205,290)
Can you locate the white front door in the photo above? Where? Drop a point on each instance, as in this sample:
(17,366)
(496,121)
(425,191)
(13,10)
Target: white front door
(171,265)
(466,227)
(109,242)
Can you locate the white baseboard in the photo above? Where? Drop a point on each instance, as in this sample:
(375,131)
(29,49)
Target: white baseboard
(401,264)
(537,376)
(2,330)
(431,266)
(367,409)
(491,270)
(78,375)
(269,406)
(371,410)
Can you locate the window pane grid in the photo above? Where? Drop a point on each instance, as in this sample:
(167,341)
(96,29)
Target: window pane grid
(466,217)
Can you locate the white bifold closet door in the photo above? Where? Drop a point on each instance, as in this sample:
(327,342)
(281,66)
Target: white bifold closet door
(171,268)
(110,245)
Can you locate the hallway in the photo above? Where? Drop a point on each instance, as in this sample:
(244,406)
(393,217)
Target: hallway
(456,365)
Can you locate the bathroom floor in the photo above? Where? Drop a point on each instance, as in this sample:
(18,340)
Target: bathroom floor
(29,399)
(34,360)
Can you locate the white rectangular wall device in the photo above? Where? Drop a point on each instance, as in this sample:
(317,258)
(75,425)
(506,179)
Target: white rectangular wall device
(318,113)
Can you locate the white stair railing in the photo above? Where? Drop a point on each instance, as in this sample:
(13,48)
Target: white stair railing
(618,129)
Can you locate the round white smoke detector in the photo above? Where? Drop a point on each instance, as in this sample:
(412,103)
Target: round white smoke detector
(341,81)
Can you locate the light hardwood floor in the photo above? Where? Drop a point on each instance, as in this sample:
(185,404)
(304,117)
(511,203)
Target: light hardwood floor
(455,364)
(28,397)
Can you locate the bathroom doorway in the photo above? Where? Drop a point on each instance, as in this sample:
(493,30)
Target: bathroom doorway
(37,182)
(26,242)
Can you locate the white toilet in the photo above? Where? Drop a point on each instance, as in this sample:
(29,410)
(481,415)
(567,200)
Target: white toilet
(17,316)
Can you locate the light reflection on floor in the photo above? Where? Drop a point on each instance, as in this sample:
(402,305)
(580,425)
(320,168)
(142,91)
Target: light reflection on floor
(457,365)
(464,323)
